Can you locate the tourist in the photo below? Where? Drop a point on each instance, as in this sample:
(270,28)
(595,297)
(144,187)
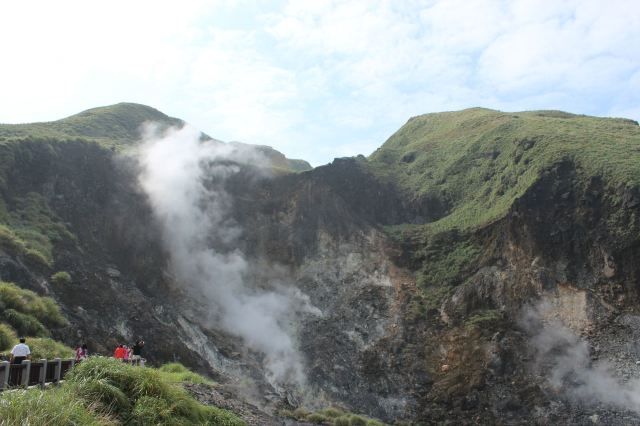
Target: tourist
(119,352)
(20,352)
(137,351)
(81,353)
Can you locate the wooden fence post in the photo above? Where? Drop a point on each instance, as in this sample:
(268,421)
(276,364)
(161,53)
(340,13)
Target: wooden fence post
(43,373)
(56,376)
(26,371)
(4,378)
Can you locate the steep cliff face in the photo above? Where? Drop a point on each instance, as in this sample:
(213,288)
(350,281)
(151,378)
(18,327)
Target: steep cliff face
(421,263)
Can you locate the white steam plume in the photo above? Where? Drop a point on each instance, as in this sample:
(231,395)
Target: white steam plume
(563,358)
(184,179)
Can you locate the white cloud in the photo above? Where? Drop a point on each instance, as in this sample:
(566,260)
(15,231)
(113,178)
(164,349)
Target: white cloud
(307,77)
(241,93)
(78,53)
(577,50)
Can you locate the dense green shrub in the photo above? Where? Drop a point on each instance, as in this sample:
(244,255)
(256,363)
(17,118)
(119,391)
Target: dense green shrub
(301,413)
(33,221)
(331,412)
(318,419)
(45,347)
(10,241)
(484,319)
(48,311)
(37,258)
(61,278)
(7,337)
(357,421)
(341,421)
(44,309)
(24,324)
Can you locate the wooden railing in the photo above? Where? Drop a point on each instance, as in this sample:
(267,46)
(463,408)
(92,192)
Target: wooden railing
(33,373)
(40,373)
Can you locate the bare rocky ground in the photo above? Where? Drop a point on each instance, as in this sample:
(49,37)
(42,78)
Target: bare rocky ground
(224,396)
(598,383)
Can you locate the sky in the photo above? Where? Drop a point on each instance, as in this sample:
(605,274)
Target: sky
(318,79)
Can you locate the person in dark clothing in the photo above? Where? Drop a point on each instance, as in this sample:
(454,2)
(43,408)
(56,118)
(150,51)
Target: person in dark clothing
(137,350)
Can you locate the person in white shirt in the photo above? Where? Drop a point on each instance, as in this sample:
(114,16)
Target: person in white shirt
(20,352)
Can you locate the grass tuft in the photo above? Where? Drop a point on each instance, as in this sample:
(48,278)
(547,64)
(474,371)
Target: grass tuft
(330,416)
(24,324)
(43,309)
(7,337)
(44,347)
(177,373)
(61,278)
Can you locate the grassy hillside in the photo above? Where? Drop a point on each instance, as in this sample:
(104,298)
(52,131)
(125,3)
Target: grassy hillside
(27,313)
(115,124)
(24,313)
(479,161)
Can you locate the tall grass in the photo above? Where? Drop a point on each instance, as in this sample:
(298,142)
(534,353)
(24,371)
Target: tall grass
(140,396)
(105,391)
(55,407)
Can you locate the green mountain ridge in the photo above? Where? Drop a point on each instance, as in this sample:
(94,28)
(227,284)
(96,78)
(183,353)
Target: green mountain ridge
(478,161)
(115,124)
(118,126)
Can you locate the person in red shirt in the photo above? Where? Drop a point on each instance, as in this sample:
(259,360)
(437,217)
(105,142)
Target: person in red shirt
(119,353)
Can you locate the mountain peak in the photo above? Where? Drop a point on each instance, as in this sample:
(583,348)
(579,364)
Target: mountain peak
(120,125)
(119,121)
